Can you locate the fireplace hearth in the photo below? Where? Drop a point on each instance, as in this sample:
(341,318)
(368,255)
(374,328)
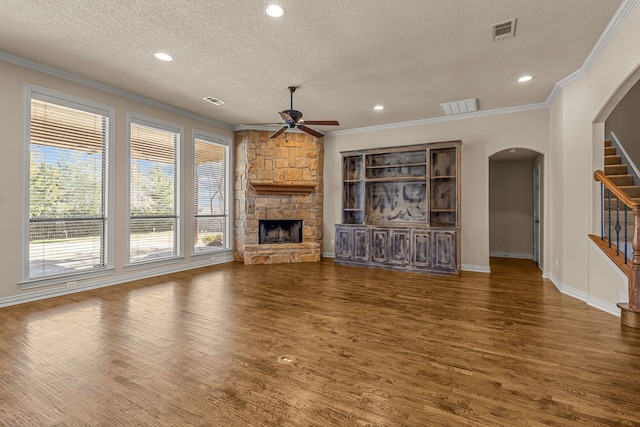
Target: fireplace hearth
(280,231)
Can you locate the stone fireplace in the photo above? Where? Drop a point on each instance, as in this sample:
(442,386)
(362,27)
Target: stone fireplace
(277,179)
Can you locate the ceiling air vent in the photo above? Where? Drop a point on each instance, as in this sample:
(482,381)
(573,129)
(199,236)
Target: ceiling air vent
(214,100)
(504,30)
(460,107)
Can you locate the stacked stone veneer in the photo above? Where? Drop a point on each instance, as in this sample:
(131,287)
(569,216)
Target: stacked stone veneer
(292,158)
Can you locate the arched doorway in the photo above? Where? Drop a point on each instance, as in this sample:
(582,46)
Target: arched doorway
(515,204)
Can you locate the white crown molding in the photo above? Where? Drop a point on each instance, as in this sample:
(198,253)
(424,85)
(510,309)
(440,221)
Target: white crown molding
(616,22)
(610,30)
(271,128)
(486,113)
(26,63)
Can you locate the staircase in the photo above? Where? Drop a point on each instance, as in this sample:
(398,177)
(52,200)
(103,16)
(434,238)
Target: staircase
(618,172)
(620,206)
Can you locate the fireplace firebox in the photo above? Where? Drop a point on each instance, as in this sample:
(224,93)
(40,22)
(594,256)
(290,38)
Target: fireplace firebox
(280,231)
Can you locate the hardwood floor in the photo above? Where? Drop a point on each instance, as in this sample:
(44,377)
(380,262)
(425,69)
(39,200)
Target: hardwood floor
(369,348)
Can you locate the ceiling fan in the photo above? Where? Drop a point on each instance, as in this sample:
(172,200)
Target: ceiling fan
(293,119)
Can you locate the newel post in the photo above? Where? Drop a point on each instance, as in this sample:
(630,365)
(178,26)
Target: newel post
(630,313)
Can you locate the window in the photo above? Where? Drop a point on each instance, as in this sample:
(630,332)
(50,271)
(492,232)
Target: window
(67,182)
(154,217)
(211,204)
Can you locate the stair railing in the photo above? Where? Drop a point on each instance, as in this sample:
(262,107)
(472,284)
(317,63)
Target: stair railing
(607,191)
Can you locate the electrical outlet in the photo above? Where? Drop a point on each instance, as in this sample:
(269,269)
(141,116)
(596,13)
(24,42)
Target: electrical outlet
(556,262)
(72,284)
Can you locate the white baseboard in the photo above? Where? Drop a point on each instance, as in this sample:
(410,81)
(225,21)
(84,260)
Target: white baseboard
(328,255)
(476,268)
(575,293)
(60,290)
(605,306)
(510,255)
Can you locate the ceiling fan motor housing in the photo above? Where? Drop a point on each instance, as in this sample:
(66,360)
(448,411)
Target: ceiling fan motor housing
(295,115)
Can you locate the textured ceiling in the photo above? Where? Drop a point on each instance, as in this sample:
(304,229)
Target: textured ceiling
(345,55)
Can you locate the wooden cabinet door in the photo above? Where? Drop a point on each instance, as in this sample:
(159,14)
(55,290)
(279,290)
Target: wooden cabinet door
(399,246)
(421,248)
(380,244)
(361,243)
(343,243)
(444,250)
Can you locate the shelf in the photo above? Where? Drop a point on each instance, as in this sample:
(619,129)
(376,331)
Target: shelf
(401,178)
(387,222)
(396,166)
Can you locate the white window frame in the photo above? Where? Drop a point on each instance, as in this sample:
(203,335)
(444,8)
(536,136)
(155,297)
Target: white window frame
(228,161)
(29,92)
(178,241)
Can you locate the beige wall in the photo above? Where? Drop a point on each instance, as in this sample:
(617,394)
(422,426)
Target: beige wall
(481,137)
(624,121)
(569,135)
(511,208)
(577,131)
(12,78)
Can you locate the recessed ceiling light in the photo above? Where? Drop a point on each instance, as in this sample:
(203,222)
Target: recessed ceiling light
(163,57)
(525,79)
(274,10)
(379,107)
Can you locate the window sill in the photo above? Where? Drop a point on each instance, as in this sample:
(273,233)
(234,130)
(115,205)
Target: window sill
(65,279)
(155,263)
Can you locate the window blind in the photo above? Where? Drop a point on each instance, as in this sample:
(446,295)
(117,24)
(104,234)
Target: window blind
(210,197)
(67,189)
(153,223)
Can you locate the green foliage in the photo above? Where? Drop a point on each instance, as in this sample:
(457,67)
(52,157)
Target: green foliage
(152,190)
(212,239)
(64,183)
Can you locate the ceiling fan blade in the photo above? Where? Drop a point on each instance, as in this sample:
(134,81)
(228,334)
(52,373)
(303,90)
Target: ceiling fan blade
(310,131)
(262,124)
(278,132)
(285,116)
(322,122)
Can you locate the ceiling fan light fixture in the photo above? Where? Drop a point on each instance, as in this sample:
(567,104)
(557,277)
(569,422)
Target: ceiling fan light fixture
(274,10)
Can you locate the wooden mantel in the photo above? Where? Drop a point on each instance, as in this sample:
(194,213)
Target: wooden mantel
(282,188)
